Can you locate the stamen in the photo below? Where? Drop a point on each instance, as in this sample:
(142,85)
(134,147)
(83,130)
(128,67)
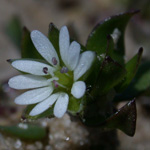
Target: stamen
(54,61)
(64,70)
(55,83)
(45,70)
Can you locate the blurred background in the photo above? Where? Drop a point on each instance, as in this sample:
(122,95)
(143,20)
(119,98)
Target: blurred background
(80,16)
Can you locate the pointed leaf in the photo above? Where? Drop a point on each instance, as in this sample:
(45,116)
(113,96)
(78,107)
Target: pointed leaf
(25,131)
(131,68)
(124,119)
(97,40)
(139,84)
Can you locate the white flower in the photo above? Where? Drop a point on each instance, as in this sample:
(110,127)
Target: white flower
(54,82)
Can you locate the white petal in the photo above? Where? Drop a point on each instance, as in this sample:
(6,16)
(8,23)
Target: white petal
(73,55)
(47,103)
(84,64)
(78,89)
(27,82)
(64,42)
(32,67)
(44,46)
(61,105)
(34,96)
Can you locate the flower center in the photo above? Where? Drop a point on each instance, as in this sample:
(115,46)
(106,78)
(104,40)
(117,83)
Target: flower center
(61,78)
(64,70)
(65,77)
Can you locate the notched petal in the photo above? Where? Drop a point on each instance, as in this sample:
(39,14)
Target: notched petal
(73,55)
(43,106)
(27,82)
(64,42)
(32,67)
(61,105)
(84,64)
(44,46)
(34,96)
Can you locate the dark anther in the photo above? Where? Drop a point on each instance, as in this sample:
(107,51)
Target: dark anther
(64,70)
(45,70)
(54,61)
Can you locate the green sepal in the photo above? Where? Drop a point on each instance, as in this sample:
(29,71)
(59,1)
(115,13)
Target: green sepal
(31,133)
(74,105)
(27,48)
(131,68)
(48,113)
(124,119)
(97,40)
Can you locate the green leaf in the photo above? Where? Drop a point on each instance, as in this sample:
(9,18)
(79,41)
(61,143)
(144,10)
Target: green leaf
(14,31)
(131,68)
(25,131)
(139,84)
(97,40)
(111,73)
(47,113)
(124,119)
(27,48)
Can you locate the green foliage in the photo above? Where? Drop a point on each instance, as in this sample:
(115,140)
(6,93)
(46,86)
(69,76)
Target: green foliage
(26,131)
(97,40)
(131,67)
(111,74)
(139,84)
